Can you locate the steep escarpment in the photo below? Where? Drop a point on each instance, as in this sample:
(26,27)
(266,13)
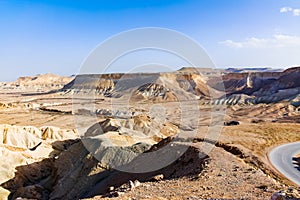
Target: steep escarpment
(156,87)
(246,83)
(260,87)
(286,86)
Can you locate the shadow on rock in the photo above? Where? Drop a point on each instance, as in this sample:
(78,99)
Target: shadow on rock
(73,173)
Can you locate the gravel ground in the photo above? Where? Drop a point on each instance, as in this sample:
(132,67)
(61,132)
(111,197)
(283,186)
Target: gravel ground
(225,177)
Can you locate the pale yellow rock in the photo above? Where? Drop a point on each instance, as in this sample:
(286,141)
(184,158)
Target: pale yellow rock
(55,133)
(23,137)
(16,143)
(9,160)
(4,194)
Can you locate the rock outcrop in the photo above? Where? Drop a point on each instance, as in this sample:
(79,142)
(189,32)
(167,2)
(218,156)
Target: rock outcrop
(21,145)
(26,137)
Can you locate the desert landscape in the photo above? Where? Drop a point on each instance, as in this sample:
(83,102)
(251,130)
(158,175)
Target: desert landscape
(149,100)
(189,134)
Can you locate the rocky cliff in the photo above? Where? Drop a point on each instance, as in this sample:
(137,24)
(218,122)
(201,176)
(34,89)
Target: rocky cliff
(260,87)
(142,87)
(73,168)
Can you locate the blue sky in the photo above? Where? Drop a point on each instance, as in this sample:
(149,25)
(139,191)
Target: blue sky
(56,36)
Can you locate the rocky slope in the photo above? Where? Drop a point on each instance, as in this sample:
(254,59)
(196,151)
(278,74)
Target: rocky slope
(113,140)
(72,177)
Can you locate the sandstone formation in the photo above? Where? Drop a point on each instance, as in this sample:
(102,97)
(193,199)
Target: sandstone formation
(24,145)
(27,137)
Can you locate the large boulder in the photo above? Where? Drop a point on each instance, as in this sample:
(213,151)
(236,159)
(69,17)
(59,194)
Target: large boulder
(289,194)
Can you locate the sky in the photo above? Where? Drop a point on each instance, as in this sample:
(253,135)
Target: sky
(39,36)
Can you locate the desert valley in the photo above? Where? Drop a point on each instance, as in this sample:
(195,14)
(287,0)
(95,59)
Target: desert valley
(188,134)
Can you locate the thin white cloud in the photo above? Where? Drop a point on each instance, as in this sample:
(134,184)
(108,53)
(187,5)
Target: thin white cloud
(286,9)
(295,12)
(277,41)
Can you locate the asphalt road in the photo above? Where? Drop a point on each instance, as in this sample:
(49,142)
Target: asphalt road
(281,158)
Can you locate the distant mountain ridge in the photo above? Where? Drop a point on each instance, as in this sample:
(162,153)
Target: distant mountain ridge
(220,86)
(242,86)
(40,82)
